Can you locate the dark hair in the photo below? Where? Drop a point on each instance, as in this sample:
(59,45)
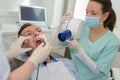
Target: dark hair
(107,7)
(23,27)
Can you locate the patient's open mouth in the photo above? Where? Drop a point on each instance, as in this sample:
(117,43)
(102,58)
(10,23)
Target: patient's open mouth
(38,42)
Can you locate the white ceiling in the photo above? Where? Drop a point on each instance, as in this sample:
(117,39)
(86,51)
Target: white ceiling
(9,5)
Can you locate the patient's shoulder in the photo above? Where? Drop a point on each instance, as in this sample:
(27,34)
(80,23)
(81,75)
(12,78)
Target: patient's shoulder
(66,61)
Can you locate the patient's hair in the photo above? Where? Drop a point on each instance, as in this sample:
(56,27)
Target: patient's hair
(23,27)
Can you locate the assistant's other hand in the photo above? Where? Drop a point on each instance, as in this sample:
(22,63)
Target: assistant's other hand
(16,48)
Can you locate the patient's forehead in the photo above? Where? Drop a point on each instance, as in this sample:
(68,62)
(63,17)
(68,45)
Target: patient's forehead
(30,28)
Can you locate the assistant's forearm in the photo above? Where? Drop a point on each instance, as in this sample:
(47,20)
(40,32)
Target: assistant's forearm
(88,62)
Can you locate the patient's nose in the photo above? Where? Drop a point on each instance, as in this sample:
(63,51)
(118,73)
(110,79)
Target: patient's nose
(36,34)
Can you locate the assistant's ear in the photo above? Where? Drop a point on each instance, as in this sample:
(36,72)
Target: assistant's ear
(105,16)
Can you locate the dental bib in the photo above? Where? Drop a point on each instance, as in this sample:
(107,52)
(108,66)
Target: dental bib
(55,71)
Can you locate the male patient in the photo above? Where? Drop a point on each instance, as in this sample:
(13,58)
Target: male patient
(52,68)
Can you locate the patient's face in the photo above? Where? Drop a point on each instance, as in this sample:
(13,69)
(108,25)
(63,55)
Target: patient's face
(36,35)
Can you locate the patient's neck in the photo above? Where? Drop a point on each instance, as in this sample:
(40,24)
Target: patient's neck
(48,60)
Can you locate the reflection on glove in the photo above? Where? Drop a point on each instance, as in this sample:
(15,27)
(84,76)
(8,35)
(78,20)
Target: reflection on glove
(40,53)
(16,48)
(74,45)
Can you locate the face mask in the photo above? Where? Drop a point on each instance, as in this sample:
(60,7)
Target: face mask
(92,22)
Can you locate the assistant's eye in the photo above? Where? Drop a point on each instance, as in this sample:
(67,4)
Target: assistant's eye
(93,13)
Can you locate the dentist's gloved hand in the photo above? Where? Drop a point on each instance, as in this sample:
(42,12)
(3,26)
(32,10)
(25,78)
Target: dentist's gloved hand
(40,53)
(73,44)
(16,48)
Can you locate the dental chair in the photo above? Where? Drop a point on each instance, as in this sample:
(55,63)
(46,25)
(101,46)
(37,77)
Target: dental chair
(116,73)
(66,54)
(56,55)
(116,67)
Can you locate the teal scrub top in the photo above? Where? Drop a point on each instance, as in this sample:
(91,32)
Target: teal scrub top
(102,52)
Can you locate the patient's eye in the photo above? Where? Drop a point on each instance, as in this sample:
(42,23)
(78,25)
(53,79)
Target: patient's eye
(38,30)
(28,33)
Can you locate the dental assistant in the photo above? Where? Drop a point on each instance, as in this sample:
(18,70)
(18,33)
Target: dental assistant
(95,51)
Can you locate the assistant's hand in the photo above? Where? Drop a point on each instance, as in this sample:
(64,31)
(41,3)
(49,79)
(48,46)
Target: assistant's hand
(73,44)
(16,48)
(40,53)
(66,17)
